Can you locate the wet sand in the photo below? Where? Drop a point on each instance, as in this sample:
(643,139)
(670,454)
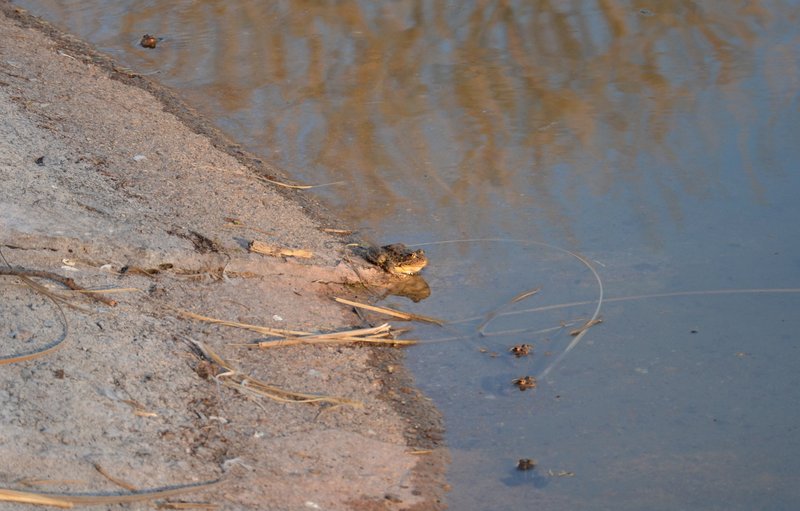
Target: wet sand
(109,179)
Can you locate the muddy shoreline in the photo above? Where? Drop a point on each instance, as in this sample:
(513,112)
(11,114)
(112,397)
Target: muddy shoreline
(108,178)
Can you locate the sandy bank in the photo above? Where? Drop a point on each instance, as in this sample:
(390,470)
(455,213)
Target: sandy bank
(107,179)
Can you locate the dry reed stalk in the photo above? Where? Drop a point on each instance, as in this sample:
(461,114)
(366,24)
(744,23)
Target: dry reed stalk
(491,315)
(65,281)
(53,346)
(381,334)
(525,294)
(331,230)
(25,497)
(278,332)
(50,482)
(119,482)
(55,298)
(107,291)
(375,335)
(68,501)
(528,331)
(246,384)
(299,187)
(259,247)
(187,505)
(138,408)
(391,312)
(286,185)
(47,350)
(590,323)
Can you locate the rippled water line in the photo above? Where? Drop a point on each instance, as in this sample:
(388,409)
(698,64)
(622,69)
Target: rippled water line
(607,300)
(788,290)
(579,257)
(601,292)
(504,332)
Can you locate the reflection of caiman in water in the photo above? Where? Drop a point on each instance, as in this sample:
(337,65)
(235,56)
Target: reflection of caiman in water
(397,259)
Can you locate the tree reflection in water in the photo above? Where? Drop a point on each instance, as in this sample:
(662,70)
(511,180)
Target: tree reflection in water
(447,109)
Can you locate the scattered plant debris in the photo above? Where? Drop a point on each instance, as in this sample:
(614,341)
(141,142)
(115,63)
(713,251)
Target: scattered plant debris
(235,379)
(392,312)
(589,324)
(65,281)
(560,473)
(260,247)
(343,232)
(119,482)
(381,334)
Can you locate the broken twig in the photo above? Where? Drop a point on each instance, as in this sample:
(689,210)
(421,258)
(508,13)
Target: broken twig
(392,312)
(65,281)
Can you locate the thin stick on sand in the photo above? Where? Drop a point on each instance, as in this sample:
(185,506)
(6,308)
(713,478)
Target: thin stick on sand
(67,501)
(409,316)
(246,384)
(65,281)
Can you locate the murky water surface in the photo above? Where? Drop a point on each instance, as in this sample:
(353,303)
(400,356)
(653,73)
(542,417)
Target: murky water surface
(659,140)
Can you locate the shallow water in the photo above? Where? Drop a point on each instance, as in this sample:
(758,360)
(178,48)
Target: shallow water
(658,140)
